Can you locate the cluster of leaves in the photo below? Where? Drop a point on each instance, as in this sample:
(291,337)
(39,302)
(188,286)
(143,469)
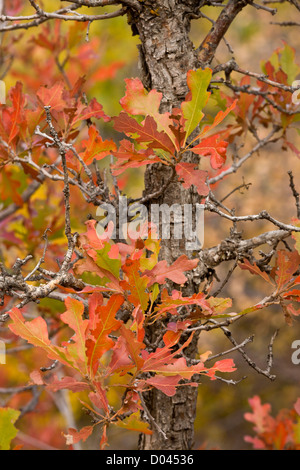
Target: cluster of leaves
(99,340)
(284,280)
(280,433)
(20,121)
(102,346)
(58,56)
(127,278)
(25,157)
(167,137)
(58,53)
(269,103)
(104,351)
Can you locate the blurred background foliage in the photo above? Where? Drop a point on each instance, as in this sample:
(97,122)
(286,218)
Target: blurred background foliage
(108,56)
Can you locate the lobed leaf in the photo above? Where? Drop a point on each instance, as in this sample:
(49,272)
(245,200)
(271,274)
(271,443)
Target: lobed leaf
(198,82)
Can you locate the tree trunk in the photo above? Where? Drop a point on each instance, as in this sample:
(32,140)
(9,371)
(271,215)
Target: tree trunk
(166,55)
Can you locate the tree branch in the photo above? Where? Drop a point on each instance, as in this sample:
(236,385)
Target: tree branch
(42,16)
(207,49)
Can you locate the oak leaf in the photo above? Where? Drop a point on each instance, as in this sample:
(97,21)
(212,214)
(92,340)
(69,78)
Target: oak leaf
(191,176)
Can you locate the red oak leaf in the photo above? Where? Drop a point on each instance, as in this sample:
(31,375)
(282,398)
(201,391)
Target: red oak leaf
(171,303)
(67,383)
(95,147)
(191,176)
(13,118)
(73,317)
(162,271)
(93,110)
(128,157)
(167,385)
(136,284)
(212,147)
(137,101)
(74,436)
(53,96)
(254,269)
(147,132)
(99,342)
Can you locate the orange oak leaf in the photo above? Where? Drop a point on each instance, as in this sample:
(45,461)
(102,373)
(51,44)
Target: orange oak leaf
(226,365)
(167,385)
(146,133)
(133,423)
(69,383)
(53,96)
(136,284)
(218,119)
(92,110)
(212,147)
(128,157)
(287,264)
(254,269)
(133,346)
(36,333)
(137,101)
(74,436)
(95,147)
(171,303)
(175,272)
(73,317)
(292,294)
(179,367)
(95,302)
(260,416)
(99,398)
(120,361)
(191,176)
(14,117)
(98,341)
(164,355)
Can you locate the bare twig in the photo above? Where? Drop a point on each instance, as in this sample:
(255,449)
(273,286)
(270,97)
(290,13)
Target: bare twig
(267,371)
(208,47)
(285,23)
(66,191)
(237,164)
(263,215)
(42,260)
(151,419)
(229,351)
(295,193)
(228,276)
(42,16)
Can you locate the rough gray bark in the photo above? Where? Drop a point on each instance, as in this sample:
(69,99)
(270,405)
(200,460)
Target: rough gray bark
(166,55)
(166,51)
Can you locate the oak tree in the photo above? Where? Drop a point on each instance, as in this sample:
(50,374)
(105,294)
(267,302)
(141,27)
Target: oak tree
(133,304)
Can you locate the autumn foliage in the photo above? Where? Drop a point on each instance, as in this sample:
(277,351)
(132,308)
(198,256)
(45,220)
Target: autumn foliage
(76,306)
